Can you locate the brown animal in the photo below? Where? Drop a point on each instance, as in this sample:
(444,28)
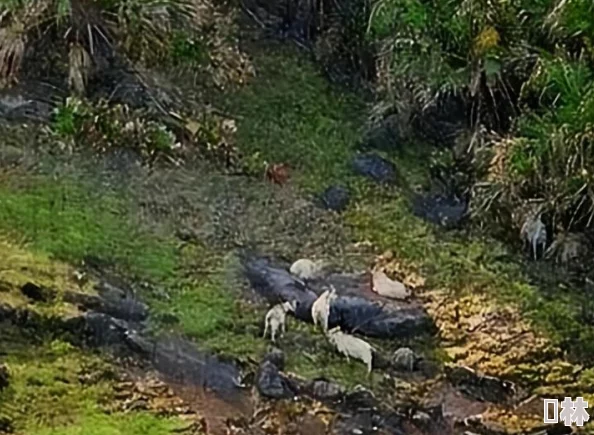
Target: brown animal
(277,173)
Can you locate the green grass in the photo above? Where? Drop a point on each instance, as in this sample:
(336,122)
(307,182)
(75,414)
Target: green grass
(47,396)
(68,221)
(291,114)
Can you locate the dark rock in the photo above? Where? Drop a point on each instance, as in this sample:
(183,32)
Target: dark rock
(37,293)
(99,329)
(277,285)
(180,360)
(272,384)
(276,357)
(445,211)
(4,377)
(480,387)
(431,420)
(26,102)
(375,167)
(443,120)
(324,390)
(335,198)
(351,313)
(404,359)
(357,314)
(360,398)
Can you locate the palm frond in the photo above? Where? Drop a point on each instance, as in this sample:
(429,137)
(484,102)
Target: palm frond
(12,48)
(79,66)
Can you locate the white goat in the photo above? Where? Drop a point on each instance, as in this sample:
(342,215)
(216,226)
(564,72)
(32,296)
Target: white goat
(351,346)
(307,269)
(276,319)
(320,310)
(534,233)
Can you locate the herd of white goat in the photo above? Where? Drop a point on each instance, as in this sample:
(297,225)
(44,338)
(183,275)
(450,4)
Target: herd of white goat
(346,344)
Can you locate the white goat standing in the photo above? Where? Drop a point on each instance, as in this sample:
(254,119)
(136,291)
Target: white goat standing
(534,233)
(320,310)
(351,346)
(276,319)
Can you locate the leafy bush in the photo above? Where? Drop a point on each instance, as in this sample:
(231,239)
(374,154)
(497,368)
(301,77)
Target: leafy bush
(104,126)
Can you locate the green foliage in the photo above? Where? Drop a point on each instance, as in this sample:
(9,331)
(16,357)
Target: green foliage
(104,126)
(528,60)
(551,158)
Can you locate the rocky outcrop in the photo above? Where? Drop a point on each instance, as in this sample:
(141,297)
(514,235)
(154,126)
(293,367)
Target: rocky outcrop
(352,312)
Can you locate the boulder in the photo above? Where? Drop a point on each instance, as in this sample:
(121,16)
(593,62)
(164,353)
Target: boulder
(179,359)
(324,390)
(277,285)
(99,329)
(360,397)
(352,313)
(335,198)
(111,300)
(375,168)
(271,383)
(276,357)
(404,359)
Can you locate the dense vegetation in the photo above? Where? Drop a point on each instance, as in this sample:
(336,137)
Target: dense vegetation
(107,68)
(506,86)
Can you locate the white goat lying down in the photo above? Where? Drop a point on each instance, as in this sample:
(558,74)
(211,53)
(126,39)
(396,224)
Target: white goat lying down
(320,309)
(351,346)
(276,319)
(307,269)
